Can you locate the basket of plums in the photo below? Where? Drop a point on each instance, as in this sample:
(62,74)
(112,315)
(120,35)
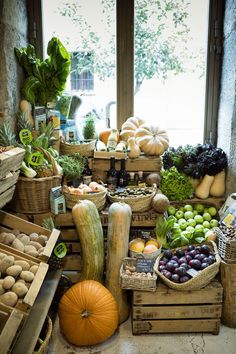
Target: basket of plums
(188,268)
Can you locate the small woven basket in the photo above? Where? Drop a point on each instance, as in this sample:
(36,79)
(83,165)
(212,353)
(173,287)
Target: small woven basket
(137,204)
(85,149)
(99,198)
(32,195)
(136,281)
(42,343)
(200,280)
(226,247)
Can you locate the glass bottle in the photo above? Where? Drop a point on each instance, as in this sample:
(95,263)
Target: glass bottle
(131,179)
(141,181)
(112,176)
(123,174)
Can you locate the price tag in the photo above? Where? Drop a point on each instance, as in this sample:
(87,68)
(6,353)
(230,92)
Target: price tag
(36,159)
(25,136)
(144,265)
(192,272)
(60,250)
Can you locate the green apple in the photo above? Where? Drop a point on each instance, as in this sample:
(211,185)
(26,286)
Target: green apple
(199,219)
(199,207)
(206,216)
(190,229)
(171,210)
(199,228)
(188,207)
(206,224)
(195,212)
(212,211)
(213,223)
(183,224)
(179,214)
(175,227)
(188,215)
(205,210)
(191,222)
(206,230)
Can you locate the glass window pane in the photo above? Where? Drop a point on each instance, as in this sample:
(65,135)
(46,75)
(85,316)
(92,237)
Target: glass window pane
(87,29)
(170,66)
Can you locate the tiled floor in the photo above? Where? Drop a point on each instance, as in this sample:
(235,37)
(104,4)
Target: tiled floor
(123,342)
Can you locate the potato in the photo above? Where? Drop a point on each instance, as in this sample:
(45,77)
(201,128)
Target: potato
(33,253)
(42,240)
(16,232)
(1,281)
(9,298)
(8,238)
(2,237)
(34,269)
(14,270)
(20,289)
(12,258)
(27,276)
(8,282)
(41,250)
(2,290)
(37,245)
(24,239)
(29,248)
(34,236)
(18,245)
(21,281)
(2,255)
(23,264)
(6,263)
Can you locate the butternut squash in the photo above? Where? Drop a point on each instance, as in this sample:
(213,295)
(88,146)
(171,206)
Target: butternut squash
(203,189)
(88,225)
(218,186)
(133,148)
(119,220)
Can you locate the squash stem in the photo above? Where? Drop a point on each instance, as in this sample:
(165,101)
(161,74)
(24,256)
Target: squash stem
(85,313)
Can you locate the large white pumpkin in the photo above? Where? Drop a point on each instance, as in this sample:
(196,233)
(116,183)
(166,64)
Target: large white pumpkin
(152,140)
(129,127)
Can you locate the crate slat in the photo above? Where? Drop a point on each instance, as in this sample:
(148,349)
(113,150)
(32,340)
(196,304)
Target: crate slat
(176,326)
(10,329)
(228,280)
(72,262)
(7,182)
(11,160)
(6,196)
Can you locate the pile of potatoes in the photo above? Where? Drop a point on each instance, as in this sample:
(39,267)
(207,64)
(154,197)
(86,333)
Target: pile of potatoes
(16,277)
(32,244)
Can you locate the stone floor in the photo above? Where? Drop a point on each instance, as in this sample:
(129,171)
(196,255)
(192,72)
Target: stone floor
(123,342)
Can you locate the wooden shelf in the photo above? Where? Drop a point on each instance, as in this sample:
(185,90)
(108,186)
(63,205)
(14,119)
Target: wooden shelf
(29,334)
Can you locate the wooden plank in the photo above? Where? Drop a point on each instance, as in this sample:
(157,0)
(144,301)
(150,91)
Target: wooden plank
(69,234)
(8,181)
(177,312)
(72,262)
(45,255)
(164,295)
(73,247)
(6,196)
(11,161)
(176,326)
(109,154)
(10,330)
(228,280)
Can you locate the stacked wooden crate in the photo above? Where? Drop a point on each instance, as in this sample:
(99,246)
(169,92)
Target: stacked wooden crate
(172,311)
(10,162)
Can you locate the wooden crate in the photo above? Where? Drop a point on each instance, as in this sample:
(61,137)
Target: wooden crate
(228,281)
(11,321)
(6,196)
(172,311)
(10,161)
(9,222)
(27,302)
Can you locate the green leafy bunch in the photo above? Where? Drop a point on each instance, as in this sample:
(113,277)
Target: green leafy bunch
(72,166)
(175,185)
(45,79)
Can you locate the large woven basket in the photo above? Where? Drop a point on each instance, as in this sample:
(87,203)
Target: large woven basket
(200,280)
(85,149)
(99,198)
(32,195)
(137,204)
(226,247)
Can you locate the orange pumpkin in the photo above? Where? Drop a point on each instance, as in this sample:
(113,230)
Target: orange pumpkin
(104,135)
(88,313)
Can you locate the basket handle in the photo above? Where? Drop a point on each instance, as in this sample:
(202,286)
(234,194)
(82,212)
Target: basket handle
(49,158)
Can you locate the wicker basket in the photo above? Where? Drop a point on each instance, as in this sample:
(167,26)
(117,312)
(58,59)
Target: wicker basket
(152,255)
(226,247)
(85,149)
(42,343)
(200,280)
(135,281)
(32,195)
(99,198)
(137,204)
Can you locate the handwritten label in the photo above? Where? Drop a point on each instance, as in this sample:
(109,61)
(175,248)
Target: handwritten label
(36,159)
(25,136)
(60,250)
(144,265)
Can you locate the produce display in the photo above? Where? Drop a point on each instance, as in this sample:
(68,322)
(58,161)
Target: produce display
(16,277)
(181,265)
(88,313)
(32,244)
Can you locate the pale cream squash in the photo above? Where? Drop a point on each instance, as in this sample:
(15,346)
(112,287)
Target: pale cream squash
(152,140)
(130,126)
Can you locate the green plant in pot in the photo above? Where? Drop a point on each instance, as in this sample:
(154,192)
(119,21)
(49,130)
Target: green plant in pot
(89,130)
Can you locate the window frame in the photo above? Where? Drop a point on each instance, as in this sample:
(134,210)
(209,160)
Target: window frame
(125,58)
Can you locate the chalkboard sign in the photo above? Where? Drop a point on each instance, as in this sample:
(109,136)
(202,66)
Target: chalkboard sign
(144,265)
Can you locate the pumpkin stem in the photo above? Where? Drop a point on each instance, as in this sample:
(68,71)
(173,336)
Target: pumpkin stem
(85,313)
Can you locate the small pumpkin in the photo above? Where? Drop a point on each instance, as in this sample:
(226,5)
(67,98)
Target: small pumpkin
(130,126)
(152,140)
(133,148)
(88,313)
(104,135)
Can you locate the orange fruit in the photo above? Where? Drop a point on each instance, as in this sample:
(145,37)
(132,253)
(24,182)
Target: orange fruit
(150,249)
(152,242)
(137,245)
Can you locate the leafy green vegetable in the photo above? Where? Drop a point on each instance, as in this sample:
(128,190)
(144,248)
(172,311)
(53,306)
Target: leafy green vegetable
(72,166)
(175,185)
(45,80)
(163,227)
(27,171)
